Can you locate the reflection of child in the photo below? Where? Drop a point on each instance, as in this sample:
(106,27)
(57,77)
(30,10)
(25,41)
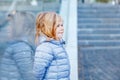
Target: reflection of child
(17,60)
(51,60)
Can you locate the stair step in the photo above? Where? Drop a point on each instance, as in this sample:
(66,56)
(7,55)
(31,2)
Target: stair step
(99,20)
(89,21)
(94,48)
(104,9)
(98,11)
(98,43)
(95,24)
(102,6)
(98,16)
(98,26)
(98,8)
(97,31)
(99,37)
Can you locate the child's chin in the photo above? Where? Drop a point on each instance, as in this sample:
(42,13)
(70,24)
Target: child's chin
(60,37)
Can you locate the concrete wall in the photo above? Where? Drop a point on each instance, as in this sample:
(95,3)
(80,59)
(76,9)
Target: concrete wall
(69,13)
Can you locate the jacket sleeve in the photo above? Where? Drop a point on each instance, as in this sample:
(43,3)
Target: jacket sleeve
(42,60)
(23,58)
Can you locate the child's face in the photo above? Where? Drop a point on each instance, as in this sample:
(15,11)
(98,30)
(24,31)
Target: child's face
(59,30)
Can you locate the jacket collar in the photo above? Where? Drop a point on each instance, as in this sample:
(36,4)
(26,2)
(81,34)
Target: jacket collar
(43,39)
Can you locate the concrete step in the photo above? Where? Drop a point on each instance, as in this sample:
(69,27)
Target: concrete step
(98,11)
(98,26)
(95,24)
(96,6)
(99,37)
(98,47)
(103,16)
(99,31)
(98,43)
(99,20)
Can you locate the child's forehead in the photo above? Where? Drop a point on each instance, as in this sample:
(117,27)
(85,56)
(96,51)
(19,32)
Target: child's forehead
(59,19)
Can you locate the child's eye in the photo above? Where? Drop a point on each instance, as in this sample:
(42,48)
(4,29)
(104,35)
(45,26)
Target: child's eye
(58,25)
(61,24)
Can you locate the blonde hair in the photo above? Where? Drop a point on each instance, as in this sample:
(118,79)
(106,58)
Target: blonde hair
(46,23)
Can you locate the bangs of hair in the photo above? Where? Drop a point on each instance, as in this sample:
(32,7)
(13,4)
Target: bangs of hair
(59,18)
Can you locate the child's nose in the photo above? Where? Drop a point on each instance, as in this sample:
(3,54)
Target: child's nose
(62,28)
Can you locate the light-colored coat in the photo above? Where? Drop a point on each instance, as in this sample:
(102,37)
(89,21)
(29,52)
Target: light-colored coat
(17,62)
(51,61)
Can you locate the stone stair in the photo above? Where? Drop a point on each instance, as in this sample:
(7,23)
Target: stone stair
(99,41)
